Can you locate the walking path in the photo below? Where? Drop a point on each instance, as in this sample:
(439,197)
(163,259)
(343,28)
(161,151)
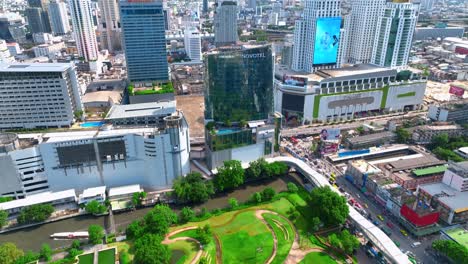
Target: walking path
(167,240)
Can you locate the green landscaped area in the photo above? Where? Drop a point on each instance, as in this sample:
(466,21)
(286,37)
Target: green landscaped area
(430,170)
(459,235)
(106,256)
(318,258)
(183,251)
(155,89)
(285,235)
(86,259)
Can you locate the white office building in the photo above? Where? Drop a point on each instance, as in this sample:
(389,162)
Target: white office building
(192,44)
(38,95)
(318,16)
(394,34)
(83,29)
(5,55)
(58,17)
(225,23)
(361,31)
(48,50)
(150,156)
(109,25)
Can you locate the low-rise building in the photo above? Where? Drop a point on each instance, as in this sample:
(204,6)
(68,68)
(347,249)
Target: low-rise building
(60,200)
(92,194)
(371,140)
(449,112)
(121,197)
(141,114)
(425,134)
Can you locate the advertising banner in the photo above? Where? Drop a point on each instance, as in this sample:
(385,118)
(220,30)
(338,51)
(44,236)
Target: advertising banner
(330,134)
(458,91)
(294,81)
(327,39)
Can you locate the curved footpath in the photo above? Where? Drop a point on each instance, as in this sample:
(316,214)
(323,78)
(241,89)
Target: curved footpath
(167,240)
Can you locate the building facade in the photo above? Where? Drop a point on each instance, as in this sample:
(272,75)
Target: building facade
(394,37)
(362,28)
(449,112)
(192,44)
(225,23)
(109,25)
(144,40)
(83,29)
(38,19)
(5,55)
(239,83)
(38,95)
(58,16)
(152,157)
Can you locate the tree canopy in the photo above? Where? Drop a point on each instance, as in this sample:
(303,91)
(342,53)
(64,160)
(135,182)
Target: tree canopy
(186,215)
(95,207)
(230,175)
(458,253)
(35,213)
(46,252)
(9,253)
(329,206)
(403,136)
(158,220)
(150,250)
(3,218)
(192,188)
(96,233)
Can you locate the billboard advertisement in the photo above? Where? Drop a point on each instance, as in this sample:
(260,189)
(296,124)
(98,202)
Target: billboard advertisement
(330,134)
(458,91)
(419,220)
(294,81)
(327,39)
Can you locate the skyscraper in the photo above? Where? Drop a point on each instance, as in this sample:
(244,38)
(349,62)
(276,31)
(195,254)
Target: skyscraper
(394,35)
(205,7)
(38,20)
(109,25)
(83,29)
(58,17)
(192,44)
(252,4)
(361,29)
(144,40)
(317,36)
(239,83)
(225,23)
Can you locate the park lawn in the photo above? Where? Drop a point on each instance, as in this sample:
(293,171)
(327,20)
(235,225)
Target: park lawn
(285,235)
(318,258)
(189,248)
(86,258)
(106,256)
(209,249)
(245,239)
(124,246)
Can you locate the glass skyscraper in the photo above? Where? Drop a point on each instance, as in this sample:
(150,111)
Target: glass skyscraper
(144,40)
(239,83)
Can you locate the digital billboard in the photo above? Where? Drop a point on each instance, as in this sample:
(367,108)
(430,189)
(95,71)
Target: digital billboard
(458,91)
(330,134)
(327,39)
(294,81)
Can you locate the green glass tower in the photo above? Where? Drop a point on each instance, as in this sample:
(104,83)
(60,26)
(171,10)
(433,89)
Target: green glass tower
(239,83)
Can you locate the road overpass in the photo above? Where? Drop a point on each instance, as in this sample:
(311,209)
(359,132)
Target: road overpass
(372,232)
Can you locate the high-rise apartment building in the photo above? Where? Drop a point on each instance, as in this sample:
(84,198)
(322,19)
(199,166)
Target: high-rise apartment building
(205,7)
(83,29)
(12,27)
(252,4)
(427,5)
(38,19)
(192,44)
(394,34)
(38,95)
(361,29)
(144,40)
(317,36)
(58,17)
(225,23)
(239,83)
(109,25)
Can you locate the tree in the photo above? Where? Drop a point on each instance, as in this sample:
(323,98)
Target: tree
(334,241)
(330,207)
(73,252)
(46,252)
(96,233)
(275,169)
(403,135)
(348,242)
(268,193)
(204,234)
(135,229)
(35,213)
(292,188)
(458,253)
(3,218)
(75,244)
(229,176)
(192,188)
(256,168)
(9,253)
(158,220)
(186,215)
(233,203)
(149,250)
(138,198)
(28,257)
(441,140)
(94,207)
(256,198)
(315,223)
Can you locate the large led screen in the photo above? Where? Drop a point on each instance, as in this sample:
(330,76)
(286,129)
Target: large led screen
(327,39)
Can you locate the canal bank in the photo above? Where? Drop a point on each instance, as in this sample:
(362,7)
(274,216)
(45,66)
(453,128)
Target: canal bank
(33,237)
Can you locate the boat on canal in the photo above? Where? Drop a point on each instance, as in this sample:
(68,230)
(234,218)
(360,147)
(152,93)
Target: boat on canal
(70,235)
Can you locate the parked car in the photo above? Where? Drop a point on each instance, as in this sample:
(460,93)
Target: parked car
(380,217)
(389,224)
(403,232)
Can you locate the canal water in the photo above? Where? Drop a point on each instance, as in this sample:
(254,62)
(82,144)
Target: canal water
(32,238)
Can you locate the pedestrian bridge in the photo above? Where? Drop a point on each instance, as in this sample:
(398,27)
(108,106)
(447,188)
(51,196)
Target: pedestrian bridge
(372,232)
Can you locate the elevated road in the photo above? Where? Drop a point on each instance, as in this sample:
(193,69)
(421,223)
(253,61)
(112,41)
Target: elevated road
(370,231)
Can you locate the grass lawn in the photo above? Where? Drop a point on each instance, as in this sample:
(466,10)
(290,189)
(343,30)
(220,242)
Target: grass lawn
(106,256)
(285,235)
(317,258)
(209,249)
(183,251)
(124,246)
(86,259)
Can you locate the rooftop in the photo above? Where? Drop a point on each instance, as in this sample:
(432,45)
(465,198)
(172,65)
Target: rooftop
(455,200)
(92,192)
(40,198)
(371,137)
(129,189)
(430,170)
(34,67)
(365,167)
(161,108)
(353,70)
(460,168)
(421,162)
(458,234)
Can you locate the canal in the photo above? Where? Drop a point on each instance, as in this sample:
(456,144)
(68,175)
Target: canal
(32,238)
